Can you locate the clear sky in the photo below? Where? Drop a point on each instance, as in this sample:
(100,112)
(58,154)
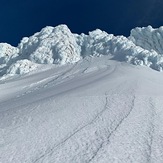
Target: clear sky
(19,18)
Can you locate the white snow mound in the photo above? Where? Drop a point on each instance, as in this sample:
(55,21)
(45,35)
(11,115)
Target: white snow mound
(51,45)
(7,53)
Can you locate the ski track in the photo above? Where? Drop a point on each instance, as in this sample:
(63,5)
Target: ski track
(114,130)
(77,131)
(151,129)
(50,83)
(145,139)
(60,78)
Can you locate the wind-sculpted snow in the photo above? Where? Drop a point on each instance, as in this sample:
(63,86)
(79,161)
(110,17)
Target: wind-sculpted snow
(148,38)
(51,45)
(21,67)
(151,40)
(7,53)
(57,45)
(99,43)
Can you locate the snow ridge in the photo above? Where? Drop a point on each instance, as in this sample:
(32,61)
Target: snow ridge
(57,45)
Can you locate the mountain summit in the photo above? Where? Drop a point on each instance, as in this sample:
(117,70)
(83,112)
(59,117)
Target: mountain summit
(57,45)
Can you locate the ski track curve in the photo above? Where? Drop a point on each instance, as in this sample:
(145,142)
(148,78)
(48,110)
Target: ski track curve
(89,154)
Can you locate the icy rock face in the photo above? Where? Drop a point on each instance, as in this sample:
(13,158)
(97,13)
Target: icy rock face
(51,45)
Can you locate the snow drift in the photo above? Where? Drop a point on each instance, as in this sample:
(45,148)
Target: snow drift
(57,45)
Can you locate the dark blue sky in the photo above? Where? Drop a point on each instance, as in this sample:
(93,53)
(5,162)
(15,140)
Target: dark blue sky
(19,18)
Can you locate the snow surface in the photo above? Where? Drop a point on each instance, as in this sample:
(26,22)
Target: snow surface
(57,45)
(94,111)
(80,100)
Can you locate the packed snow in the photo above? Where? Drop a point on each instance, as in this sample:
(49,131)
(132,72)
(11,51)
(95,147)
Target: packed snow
(70,98)
(58,45)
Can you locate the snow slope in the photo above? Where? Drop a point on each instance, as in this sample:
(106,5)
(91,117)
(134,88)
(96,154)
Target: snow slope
(94,111)
(70,98)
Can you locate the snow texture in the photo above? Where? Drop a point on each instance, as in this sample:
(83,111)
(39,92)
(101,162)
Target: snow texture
(51,45)
(100,109)
(21,67)
(57,45)
(94,111)
(7,53)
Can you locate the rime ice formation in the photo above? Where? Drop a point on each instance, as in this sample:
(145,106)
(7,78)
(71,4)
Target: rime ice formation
(57,45)
(51,45)
(7,53)
(152,41)
(21,67)
(148,38)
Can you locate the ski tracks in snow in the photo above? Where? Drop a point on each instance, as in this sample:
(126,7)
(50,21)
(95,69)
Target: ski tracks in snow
(54,80)
(118,127)
(137,137)
(114,130)
(86,142)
